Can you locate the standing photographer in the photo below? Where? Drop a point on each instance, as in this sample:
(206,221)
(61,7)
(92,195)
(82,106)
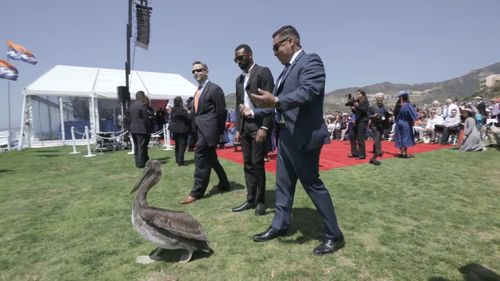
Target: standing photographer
(359,106)
(379,117)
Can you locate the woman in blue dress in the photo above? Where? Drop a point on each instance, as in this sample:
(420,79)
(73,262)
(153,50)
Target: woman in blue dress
(405,115)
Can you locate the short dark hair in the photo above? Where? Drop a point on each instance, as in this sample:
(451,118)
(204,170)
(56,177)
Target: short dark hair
(202,64)
(244,47)
(362,92)
(287,30)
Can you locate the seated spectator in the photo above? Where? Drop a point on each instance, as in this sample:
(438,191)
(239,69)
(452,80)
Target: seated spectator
(493,133)
(419,126)
(337,125)
(495,108)
(346,121)
(451,126)
(450,105)
(472,138)
(434,120)
(436,106)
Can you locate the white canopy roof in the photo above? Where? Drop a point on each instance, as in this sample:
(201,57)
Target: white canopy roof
(64,80)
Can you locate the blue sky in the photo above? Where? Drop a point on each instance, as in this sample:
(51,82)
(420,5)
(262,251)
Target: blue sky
(361,42)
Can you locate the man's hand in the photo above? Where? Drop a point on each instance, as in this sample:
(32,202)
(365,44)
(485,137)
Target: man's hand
(264,98)
(245,111)
(260,137)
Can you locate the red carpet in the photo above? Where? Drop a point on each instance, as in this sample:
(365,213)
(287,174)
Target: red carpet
(334,154)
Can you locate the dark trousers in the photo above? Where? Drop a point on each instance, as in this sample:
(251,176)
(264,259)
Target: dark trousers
(180,146)
(206,160)
(141,142)
(447,131)
(303,165)
(377,141)
(253,167)
(358,139)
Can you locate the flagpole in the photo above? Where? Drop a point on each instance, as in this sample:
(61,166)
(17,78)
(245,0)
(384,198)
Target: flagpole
(8,105)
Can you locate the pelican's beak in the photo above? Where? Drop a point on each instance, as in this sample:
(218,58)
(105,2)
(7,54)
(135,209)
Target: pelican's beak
(145,175)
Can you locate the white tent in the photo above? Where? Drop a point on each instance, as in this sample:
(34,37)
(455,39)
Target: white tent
(73,96)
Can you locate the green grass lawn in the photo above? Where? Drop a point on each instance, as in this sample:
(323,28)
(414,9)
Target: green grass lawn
(66,217)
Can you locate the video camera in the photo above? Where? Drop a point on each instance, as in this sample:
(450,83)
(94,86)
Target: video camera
(350,100)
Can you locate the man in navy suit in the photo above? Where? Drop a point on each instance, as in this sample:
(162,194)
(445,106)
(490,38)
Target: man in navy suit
(252,133)
(298,103)
(209,105)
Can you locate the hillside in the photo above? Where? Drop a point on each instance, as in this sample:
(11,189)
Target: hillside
(462,87)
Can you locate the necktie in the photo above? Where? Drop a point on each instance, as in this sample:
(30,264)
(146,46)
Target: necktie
(197,99)
(279,116)
(246,97)
(283,73)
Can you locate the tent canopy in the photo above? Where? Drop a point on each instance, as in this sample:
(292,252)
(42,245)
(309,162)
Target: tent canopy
(64,80)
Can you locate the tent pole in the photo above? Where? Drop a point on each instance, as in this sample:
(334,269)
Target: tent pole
(61,113)
(8,107)
(21,128)
(129,36)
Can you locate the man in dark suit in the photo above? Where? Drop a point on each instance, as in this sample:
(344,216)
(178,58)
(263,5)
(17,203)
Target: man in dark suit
(252,133)
(209,106)
(140,128)
(298,102)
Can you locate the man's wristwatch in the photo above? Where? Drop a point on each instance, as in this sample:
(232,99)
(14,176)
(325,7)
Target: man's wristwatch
(277,103)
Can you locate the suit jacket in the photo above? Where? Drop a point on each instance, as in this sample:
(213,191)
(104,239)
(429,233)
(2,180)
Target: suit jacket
(139,118)
(301,94)
(210,119)
(180,121)
(260,77)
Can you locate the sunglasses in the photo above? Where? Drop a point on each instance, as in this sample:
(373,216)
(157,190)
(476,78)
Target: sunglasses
(239,58)
(278,44)
(197,70)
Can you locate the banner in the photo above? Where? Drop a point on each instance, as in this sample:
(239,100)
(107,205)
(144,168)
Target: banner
(8,71)
(19,52)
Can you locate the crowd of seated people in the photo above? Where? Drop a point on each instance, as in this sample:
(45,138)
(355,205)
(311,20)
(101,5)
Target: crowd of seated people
(437,123)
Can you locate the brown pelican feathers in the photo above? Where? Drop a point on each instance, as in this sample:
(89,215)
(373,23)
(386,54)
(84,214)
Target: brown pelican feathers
(164,228)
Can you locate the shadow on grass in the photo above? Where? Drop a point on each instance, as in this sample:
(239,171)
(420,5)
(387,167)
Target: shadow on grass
(308,222)
(176,255)
(215,190)
(188,162)
(48,151)
(163,160)
(49,155)
(473,272)
(271,199)
(5,171)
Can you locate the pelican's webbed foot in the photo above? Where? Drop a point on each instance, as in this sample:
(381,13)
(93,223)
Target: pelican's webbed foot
(155,255)
(186,257)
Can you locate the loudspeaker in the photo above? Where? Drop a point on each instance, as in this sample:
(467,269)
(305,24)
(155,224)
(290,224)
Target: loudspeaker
(123,95)
(143,15)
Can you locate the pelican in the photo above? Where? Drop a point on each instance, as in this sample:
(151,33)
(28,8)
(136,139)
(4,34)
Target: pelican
(164,228)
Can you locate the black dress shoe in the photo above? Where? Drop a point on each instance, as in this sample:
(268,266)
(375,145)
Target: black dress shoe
(374,162)
(352,155)
(269,234)
(260,209)
(329,246)
(245,206)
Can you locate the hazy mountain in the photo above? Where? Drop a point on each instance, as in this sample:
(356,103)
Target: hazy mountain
(461,87)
